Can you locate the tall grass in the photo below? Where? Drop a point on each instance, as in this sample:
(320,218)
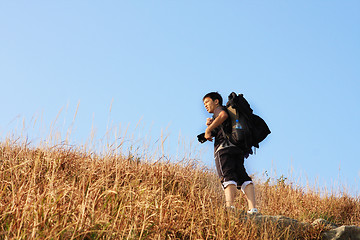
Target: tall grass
(62,193)
(307,205)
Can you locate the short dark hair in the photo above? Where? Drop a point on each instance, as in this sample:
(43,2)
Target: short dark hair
(214,96)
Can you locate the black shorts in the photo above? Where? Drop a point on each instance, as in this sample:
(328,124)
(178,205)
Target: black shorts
(230,166)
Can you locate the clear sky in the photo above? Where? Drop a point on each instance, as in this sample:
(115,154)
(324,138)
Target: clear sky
(139,68)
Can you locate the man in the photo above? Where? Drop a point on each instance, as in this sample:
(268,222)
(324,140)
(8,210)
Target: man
(229,159)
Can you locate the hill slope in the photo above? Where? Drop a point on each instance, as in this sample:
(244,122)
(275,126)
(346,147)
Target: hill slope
(61,193)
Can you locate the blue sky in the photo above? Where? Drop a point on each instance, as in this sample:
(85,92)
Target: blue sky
(140,69)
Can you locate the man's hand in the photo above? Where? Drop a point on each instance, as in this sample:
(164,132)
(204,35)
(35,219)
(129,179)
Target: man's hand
(214,123)
(208,135)
(209,121)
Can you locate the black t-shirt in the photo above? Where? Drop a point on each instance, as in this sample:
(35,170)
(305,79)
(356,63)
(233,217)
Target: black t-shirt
(226,125)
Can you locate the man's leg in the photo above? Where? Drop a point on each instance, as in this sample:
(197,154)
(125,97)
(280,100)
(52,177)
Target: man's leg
(230,192)
(249,191)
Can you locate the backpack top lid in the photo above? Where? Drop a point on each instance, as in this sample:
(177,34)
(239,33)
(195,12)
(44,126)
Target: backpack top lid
(239,102)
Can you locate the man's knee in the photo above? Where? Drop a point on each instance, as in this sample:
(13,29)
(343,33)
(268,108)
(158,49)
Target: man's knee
(245,184)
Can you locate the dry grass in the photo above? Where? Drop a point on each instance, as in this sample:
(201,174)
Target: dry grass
(285,199)
(62,193)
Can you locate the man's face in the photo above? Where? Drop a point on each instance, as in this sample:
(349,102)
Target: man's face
(210,105)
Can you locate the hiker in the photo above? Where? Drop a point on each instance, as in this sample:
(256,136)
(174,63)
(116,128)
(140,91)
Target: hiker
(229,159)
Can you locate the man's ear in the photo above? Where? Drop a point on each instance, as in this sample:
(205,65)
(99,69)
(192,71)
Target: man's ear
(216,101)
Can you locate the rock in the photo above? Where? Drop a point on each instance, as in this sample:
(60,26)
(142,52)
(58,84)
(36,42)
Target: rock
(323,222)
(342,233)
(336,233)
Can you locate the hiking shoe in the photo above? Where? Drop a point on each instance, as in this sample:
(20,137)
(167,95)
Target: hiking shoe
(253,211)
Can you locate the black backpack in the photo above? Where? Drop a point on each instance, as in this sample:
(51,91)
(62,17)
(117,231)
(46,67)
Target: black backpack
(247,129)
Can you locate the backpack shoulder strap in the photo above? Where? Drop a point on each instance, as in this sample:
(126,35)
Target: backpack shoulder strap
(226,137)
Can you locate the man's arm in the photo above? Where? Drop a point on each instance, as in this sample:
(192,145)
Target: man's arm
(217,122)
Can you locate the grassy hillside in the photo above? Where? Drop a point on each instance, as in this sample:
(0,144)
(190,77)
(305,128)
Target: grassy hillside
(61,193)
